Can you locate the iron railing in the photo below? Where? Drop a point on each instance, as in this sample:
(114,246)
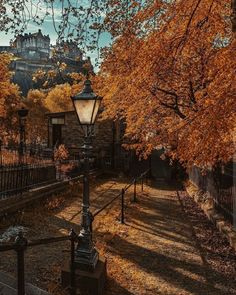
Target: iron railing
(16,179)
(20,246)
(32,154)
(36,167)
(121,195)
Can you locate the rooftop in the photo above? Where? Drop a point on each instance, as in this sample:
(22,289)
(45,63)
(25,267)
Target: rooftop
(30,35)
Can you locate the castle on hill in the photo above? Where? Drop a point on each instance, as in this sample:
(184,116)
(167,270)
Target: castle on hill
(33,51)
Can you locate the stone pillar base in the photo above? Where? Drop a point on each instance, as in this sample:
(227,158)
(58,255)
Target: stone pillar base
(87,282)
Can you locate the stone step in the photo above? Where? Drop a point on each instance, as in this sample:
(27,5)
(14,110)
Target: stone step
(8,286)
(7,290)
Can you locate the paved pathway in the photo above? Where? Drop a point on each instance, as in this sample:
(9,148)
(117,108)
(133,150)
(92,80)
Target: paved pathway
(156,251)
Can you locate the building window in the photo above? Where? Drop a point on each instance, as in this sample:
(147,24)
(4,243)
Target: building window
(58,121)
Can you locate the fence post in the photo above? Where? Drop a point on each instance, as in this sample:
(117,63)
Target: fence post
(122,206)
(1,161)
(135,194)
(21,245)
(21,177)
(72,263)
(142,183)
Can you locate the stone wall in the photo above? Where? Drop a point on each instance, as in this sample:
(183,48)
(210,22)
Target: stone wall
(72,137)
(8,49)
(220,187)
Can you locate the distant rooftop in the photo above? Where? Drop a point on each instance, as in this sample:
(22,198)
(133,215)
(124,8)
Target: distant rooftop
(30,35)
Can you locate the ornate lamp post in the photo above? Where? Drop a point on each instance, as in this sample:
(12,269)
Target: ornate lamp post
(22,113)
(86,104)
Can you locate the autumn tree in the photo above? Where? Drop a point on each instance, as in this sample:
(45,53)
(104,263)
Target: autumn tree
(60,74)
(55,88)
(58,99)
(169,73)
(84,21)
(9,100)
(164,75)
(36,119)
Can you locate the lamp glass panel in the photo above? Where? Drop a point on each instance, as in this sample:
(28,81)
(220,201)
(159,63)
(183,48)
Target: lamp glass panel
(96,108)
(84,109)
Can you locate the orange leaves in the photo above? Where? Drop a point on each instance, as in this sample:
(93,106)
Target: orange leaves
(36,120)
(9,99)
(176,82)
(55,99)
(39,75)
(61,153)
(58,99)
(76,77)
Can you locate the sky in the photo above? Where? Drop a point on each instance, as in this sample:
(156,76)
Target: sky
(48,29)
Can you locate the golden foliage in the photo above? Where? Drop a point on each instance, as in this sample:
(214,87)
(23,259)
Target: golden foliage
(9,99)
(36,120)
(61,153)
(58,98)
(171,75)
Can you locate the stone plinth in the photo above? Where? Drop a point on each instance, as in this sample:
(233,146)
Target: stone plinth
(8,286)
(87,282)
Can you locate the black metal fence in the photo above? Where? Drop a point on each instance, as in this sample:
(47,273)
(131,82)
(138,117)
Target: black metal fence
(32,154)
(220,183)
(36,166)
(15,179)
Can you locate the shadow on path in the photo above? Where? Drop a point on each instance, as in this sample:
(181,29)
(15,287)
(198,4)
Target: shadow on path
(174,271)
(159,243)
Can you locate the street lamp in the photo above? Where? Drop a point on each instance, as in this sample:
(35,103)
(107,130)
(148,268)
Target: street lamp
(22,113)
(86,104)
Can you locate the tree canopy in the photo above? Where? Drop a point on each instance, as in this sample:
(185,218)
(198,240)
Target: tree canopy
(174,81)
(170,72)
(9,99)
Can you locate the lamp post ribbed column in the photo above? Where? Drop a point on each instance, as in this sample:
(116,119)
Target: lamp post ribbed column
(86,256)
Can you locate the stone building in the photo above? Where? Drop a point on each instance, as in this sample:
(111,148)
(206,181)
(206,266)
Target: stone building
(64,128)
(34,52)
(34,46)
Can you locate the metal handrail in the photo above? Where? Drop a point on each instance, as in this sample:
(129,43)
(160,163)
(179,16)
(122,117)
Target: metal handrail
(7,247)
(48,241)
(13,246)
(123,190)
(106,205)
(21,244)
